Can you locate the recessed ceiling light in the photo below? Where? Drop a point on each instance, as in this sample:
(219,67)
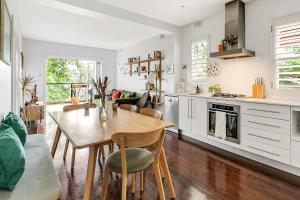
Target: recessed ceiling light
(182,6)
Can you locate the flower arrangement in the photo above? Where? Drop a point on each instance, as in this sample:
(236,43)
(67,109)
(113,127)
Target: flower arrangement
(101,88)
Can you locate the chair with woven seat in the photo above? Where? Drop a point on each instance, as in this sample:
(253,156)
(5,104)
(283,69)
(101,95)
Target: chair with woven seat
(135,158)
(129,107)
(77,107)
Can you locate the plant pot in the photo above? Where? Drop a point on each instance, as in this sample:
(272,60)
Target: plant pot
(75,100)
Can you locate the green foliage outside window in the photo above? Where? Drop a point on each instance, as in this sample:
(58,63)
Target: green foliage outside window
(61,72)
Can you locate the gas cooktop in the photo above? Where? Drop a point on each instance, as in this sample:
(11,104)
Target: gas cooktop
(228,95)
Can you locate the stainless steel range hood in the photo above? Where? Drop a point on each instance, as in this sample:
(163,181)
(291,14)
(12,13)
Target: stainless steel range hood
(234,27)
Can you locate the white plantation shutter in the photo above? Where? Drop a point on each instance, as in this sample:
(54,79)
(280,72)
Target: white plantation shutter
(287,54)
(199,60)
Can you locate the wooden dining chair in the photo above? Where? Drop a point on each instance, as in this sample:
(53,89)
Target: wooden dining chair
(135,158)
(129,107)
(151,113)
(77,107)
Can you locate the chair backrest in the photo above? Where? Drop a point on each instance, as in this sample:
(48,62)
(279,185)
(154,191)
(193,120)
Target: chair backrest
(142,101)
(129,107)
(140,140)
(151,113)
(79,106)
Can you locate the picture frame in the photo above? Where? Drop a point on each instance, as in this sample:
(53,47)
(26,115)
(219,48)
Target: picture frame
(5,33)
(157,54)
(170,69)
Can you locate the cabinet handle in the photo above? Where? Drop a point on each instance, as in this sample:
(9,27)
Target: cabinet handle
(263,137)
(191,108)
(274,154)
(269,111)
(188,108)
(274,126)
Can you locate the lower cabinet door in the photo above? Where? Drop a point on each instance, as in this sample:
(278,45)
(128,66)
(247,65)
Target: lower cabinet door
(199,117)
(184,115)
(295,154)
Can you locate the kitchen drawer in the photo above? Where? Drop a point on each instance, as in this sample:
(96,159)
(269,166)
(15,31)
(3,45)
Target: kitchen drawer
(265,110)
(270,138)
(267,124)
(268,151)
(295,154)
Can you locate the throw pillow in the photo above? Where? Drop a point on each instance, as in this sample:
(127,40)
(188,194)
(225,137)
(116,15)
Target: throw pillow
(127,96)
(122,96)
(12,158)
(116,94)
(17,124)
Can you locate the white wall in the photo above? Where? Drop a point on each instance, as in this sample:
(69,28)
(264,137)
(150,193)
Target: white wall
(36,52)
(169,47)
(238,75)
(10,74)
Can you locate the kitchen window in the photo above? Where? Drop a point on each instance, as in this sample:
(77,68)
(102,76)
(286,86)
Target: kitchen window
(286,48)
(199,60)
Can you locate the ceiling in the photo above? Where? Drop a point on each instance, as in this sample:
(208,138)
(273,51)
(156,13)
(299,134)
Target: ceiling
(177,12)
(110,24)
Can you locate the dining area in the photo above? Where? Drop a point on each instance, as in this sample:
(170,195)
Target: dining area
(126,145)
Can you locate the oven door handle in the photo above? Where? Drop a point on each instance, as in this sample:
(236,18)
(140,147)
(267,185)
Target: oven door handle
(191,108)
(232,114)
(188,108)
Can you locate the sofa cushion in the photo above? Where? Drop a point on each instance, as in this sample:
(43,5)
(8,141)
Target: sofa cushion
(12,158)
(17,124)
(40,180)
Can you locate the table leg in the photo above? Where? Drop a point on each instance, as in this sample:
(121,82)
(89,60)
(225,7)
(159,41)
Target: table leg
(55,142)
(165,168)
(90,172)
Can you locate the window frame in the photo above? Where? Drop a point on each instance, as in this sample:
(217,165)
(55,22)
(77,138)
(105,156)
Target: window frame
(275,89)
(203,81)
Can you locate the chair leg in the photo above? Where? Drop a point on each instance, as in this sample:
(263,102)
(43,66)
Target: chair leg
(133,183)
(103,152)
(161,172)
(105,184)
(142,180)
(124,186)
(73,160)
(99,153)
(159,182)
(66,149)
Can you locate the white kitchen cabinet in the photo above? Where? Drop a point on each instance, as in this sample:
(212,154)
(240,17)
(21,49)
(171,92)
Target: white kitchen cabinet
(199,116)
(184,115)
(193,116)
(295,154)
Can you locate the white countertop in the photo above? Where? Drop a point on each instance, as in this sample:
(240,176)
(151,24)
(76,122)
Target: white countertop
(273,101)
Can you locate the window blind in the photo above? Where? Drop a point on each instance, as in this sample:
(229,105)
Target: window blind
(287,55)
(199,60)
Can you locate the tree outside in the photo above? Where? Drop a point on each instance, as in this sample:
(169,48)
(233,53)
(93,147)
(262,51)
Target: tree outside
(61,73)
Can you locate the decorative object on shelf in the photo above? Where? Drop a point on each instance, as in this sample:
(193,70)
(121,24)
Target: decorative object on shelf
(170,69)
(5,34)
(151,77)
(197,89)
(258,89)
(212,70)
(221,46)
(157,54)
(230,41)
(150,86)
(143,68)
(130,60)
(214,89)
(101,88)
(181,87)
(34,96)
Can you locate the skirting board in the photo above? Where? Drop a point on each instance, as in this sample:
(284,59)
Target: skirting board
(267,166)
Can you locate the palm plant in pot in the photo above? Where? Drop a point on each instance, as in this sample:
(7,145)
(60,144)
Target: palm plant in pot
(101,88)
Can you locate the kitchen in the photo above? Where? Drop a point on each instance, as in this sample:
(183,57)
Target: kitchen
(259,121)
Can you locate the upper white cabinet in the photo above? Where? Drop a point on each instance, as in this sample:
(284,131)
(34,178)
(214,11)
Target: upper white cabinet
(193,116)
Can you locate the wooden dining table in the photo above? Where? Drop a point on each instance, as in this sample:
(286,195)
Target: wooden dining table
(85,129)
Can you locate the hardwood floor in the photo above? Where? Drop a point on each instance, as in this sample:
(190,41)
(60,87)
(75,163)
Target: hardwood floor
(198,174)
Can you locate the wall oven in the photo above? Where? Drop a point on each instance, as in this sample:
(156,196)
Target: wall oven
(232,113)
